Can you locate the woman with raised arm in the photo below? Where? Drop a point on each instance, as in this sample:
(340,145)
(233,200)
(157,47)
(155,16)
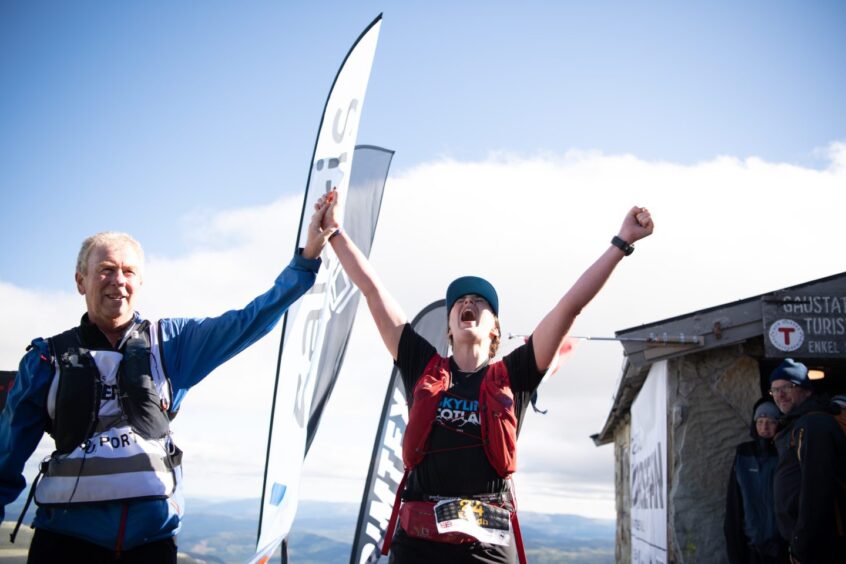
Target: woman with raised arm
(465,411)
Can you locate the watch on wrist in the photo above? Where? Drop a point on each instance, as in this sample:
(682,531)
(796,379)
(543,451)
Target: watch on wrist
(623,245)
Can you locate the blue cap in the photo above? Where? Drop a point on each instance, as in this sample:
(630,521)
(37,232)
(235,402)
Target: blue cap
(766,409)
(792,371)
(472,285)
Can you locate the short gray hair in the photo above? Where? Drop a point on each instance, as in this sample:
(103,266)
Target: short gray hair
(105,239)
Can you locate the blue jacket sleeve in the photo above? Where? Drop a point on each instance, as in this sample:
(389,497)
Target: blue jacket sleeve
(24,419)
(192,348)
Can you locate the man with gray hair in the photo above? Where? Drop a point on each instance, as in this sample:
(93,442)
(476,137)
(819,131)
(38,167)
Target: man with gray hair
(809,500)
(106,391)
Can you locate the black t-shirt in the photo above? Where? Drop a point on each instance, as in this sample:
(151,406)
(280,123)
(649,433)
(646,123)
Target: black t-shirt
(456,464)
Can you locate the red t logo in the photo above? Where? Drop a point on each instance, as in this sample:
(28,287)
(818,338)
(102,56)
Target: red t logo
(786,331)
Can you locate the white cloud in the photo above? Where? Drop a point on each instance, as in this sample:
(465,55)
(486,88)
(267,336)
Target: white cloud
(30,314)
(727,229)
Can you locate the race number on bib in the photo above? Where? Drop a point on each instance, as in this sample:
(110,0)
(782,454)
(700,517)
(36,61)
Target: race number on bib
(483,521)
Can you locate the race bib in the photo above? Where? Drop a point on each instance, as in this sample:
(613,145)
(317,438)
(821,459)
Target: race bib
(483,521)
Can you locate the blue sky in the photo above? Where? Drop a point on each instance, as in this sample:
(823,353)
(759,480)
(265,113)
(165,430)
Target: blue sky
(131,116)
(522,135)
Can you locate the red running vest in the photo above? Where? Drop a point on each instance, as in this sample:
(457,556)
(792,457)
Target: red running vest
(498,422)
(496,411)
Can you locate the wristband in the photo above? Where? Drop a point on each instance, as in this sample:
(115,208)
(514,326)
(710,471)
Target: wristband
(337,231)
(622,245)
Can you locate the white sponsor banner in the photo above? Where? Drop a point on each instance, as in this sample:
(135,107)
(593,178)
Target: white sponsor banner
(648,469)
(306,321)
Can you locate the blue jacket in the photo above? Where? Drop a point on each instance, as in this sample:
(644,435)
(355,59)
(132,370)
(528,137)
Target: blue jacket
(750,514)
(750,523)
(192,348)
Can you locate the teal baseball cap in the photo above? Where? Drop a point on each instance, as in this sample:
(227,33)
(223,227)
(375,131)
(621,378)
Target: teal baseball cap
(471,285)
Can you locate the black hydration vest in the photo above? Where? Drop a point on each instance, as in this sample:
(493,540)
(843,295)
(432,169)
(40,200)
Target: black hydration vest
(76,419)
(80,389)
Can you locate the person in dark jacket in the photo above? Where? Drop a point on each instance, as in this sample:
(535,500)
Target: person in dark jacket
(750,527)
(809,500)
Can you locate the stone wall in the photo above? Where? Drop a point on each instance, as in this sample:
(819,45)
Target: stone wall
(710,398)
(622,485)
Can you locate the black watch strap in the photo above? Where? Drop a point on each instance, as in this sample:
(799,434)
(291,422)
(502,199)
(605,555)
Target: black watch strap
(622,245)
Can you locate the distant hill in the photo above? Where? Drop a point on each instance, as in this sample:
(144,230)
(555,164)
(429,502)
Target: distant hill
(323,532)
(218,532)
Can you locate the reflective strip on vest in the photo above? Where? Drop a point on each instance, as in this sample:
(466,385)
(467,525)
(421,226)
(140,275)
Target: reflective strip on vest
(113,465)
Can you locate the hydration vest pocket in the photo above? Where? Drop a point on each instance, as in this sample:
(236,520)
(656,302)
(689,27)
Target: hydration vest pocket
(78,400)
(139,397)
(144,410)
(497,425)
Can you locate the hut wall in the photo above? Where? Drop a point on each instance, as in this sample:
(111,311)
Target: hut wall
(710,397)
(622,486)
